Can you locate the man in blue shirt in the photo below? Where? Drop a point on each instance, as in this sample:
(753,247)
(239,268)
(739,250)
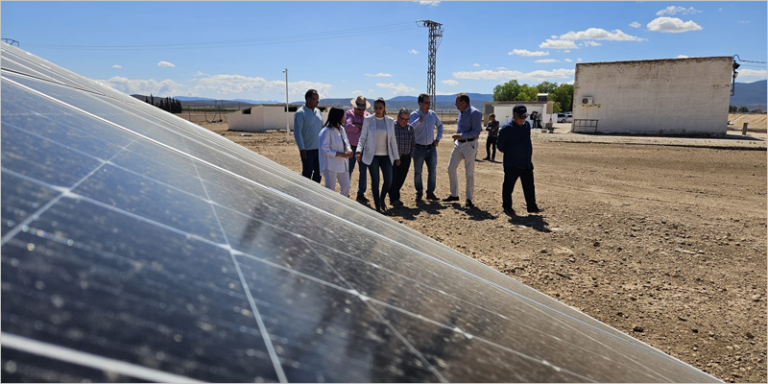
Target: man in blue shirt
(470,124)
(515,142)
(424,121)
(307,124)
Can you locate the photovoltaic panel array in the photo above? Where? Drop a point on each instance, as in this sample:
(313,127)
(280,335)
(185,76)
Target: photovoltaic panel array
(137,246)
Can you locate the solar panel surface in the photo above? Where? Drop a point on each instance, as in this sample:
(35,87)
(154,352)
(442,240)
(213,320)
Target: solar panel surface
(138,246)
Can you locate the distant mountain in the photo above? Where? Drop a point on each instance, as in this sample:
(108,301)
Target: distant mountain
(448,98)
(255,102)
(751,95)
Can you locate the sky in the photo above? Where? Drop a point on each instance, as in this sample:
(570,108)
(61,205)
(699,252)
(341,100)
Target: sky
(238,50)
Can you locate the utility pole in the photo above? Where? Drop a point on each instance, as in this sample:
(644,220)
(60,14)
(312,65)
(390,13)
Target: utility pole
(287,113)
(435,38)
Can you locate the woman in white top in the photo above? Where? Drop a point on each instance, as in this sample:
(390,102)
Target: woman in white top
(335,152)
(377,148)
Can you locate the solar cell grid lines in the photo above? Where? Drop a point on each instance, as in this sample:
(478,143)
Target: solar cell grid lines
(151,249)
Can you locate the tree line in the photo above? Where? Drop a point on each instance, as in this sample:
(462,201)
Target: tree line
(166,104)
(561,94)
(735,109)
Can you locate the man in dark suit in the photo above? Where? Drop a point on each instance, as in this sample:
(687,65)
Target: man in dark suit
(515,143)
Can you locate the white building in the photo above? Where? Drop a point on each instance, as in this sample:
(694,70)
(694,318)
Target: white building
(653,97)
(503,109)
(266,117)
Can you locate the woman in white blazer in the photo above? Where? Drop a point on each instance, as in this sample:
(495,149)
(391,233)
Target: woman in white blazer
(334,152)
(377,148)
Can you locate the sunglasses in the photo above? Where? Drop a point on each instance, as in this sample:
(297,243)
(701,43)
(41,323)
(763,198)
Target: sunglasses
(426,102)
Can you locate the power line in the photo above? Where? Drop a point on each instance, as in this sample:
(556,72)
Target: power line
(390,28)
(750,61)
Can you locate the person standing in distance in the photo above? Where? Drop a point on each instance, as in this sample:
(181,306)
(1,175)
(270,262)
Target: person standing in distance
(470,124)
(307,123)
(493,133)
(424,121)
(515,143)
(405,147)
(353,125)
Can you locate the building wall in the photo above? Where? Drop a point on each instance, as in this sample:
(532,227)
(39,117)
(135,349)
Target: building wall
(655,97)
(262,118)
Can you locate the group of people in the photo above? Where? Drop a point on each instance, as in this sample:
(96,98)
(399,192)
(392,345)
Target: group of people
(383,148)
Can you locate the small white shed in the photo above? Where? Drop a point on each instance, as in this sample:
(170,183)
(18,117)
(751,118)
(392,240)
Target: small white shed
(503,110)
(265,117)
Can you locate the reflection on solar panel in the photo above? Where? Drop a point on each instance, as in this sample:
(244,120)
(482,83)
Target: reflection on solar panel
(137,246)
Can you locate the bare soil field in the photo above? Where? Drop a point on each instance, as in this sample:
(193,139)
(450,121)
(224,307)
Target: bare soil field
(756,121)
(665,243)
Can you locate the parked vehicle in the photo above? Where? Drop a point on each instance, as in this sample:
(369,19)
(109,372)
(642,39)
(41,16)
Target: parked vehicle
(566,117)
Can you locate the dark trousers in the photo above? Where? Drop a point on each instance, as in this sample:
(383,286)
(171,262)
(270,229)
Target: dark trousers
(383,163)
(310,167)
(362,178)
(491,142)
(399,173)
(511,175)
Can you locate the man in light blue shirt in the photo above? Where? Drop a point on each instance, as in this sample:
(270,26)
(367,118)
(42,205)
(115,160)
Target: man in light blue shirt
(307,124)
(424,122)
(470,124)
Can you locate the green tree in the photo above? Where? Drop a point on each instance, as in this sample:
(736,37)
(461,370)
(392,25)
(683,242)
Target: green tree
(732,108)
(743,110)
(563,95)
(557,107)
(547,87)
(507,91)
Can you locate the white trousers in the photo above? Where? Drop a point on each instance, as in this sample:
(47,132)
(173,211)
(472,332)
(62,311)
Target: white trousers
(330,178)
(463,151)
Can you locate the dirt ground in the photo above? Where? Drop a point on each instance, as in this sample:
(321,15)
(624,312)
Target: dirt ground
(665,243)
(755,121)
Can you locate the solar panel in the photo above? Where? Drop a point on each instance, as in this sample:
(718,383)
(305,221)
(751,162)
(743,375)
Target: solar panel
(137,246)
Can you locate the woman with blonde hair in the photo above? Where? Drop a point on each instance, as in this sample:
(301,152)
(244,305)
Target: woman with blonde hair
(377,148)
(335,152)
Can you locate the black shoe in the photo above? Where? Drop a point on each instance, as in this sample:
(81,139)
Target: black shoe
(469,204)
(396,203)
(431,196)
(509,211)
(362,199)
(536,210)
(487,158)
(418,198)
(383,207)
(451,198)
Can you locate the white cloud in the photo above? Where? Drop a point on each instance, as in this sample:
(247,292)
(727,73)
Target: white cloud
(475,65)
(397,90)
(165,64)
(558,44)
(568,60)
(547,61)
(743,22)
(357,92)
(501,68)
(162,88)
(599,34)
(553,37)
(672,10)
(430,3)
(570,82)
(527,53)
(199,73)
(761,73)
(635,24)
(117,66)
(235,84)
(719,9)
(379,75)
(567,51)
(450,82)
(507,75)
(578,60)
(672,25)
(370,91)
(681,57)
(413,51)
(592,43)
